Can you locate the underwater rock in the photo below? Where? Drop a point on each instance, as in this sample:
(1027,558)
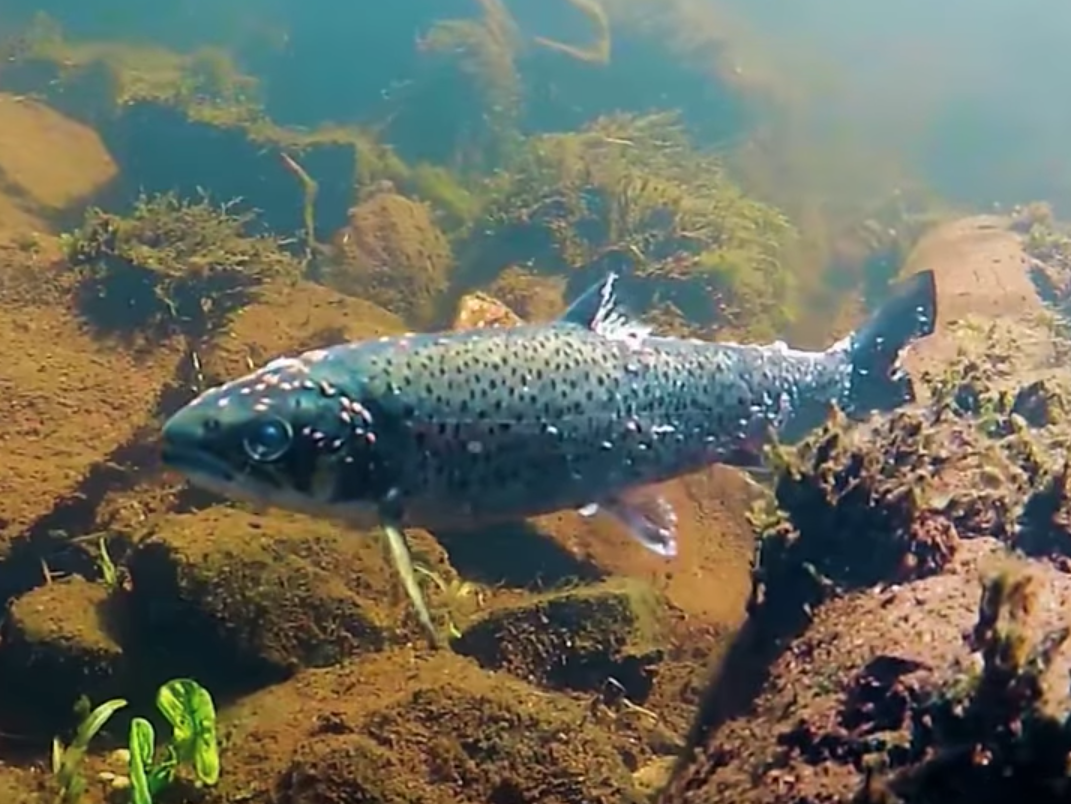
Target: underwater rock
(980,265)
(56,646)
(441,729)
(535,297)
(251,598)
(50,165)
(478,310)
(949,694)
(344,767)
(171,267)
(1041,403)
(574,639)
(885,502)
(20,784)
(392,253)
(287,319)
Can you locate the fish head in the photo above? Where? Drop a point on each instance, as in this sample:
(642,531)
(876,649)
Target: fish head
(282,436)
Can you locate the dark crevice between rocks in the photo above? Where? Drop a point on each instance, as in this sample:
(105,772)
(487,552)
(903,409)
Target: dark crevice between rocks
(167,634)
(735,683)
(516,555)
(597,637)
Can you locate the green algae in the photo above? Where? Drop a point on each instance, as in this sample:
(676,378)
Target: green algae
(632,193)
(170,266)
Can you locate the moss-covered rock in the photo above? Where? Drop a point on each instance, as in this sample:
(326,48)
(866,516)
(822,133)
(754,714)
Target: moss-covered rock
(346,767)
(534,297)
(189,122)
(171,266)
(57,645)
(509,747)
(237,594)
(917,693)
(430,727)
(393,254)
(287,318)
(574,639)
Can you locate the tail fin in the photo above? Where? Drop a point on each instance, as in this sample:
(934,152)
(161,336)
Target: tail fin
(878,382)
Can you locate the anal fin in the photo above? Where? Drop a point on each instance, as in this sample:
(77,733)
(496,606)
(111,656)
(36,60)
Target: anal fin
(403,562)
(650,519)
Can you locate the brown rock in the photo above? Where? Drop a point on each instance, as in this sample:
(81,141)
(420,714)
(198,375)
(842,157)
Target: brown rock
(58,637)
(535,297)
(262,596)
(478,310)
(50,164)
(575,638)
(291,318)
(845,691)
(438,729)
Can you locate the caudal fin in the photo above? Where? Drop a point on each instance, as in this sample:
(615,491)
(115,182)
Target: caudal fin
(878,382)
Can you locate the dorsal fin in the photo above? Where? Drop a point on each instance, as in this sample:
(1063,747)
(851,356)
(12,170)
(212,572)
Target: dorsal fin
(597,309)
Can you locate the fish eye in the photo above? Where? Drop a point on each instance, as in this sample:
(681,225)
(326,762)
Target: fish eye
(268,440)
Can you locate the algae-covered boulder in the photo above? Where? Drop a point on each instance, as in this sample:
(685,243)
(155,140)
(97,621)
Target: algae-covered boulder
(509,746)
(288,318)
(393,253)
(432,728)
(891,500)
(533,296)
(171,266)
(57,645)
(576,638)
(262,595)
(347,767)
(951,688)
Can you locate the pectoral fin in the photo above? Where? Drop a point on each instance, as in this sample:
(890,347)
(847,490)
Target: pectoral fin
(399,551)
(649,519)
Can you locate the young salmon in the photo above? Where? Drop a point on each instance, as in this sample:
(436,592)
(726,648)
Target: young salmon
(459,429)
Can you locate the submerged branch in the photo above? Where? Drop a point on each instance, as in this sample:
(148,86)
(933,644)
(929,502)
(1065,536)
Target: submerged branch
(311,188)
(599,51)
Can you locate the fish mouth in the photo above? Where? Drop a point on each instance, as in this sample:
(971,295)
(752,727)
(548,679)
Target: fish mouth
(196,464)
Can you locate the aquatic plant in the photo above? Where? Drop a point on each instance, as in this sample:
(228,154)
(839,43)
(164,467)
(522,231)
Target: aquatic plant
(189,709)
(632,193)
(109,574)
(67,760)
(455,592)
(310,189)
(467,82)
(598,52)
(206,83)
(456,205)
(171,266)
